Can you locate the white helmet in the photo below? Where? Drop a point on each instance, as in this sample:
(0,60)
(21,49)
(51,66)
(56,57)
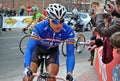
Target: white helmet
(75,11)
(56,11)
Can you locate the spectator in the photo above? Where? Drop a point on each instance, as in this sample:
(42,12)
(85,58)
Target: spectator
(44,12)
(1,9)
(5,12)
(1,17)
(108,21)
(106,32)
(13,12)
(22,11)
(92,13)
(9,14)
(101,29)
(115,40)
(114,9)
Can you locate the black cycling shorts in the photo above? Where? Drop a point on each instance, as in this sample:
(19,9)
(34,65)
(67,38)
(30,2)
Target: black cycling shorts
(51,53)
(79,28)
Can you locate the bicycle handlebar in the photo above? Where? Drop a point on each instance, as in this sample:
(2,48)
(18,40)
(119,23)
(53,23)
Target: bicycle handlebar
(25,32)
(46,75)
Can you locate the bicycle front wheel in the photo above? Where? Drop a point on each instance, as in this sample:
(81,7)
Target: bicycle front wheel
(80,47)
(63,50)
(23,43)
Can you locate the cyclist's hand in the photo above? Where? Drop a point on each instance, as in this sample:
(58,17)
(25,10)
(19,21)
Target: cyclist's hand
(24,29)
(69,77)
(27,72)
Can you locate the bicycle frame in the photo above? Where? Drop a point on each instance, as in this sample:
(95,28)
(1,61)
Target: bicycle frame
(43,76)
(79,42)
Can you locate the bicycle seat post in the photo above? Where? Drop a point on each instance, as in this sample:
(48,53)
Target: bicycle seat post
(42,64)
(44,57)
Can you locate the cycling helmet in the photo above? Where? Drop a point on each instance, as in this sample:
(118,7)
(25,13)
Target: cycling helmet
(56,11)
(75,11)
(34,9)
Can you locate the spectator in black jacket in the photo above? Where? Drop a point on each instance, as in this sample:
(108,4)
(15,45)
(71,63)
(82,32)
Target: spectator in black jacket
(13,12)
(92,13)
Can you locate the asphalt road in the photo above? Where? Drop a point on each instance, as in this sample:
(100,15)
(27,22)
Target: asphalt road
(11,59)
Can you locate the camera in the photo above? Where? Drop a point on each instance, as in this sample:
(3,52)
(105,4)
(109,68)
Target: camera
(106,7)
(91,11)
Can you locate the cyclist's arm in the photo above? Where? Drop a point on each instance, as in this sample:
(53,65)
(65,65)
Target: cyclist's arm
(70,57)
(35,22)
(70,61)
(30,47)
(38,16)
(29,24)
(44,16)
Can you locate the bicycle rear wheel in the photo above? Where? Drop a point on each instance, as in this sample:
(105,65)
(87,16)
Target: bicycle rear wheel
(79,46)
(23,43)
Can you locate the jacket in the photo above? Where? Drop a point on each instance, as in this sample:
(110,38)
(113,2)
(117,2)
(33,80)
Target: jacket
(106,31)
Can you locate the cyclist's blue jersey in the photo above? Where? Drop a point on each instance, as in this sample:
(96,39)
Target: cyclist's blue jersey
(44,36)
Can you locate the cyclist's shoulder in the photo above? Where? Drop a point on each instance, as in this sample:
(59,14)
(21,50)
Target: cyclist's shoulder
(67,27)
(39,14)
(42,25)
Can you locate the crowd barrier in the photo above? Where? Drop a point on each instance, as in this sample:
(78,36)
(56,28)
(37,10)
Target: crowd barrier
(110,71)
(16,21)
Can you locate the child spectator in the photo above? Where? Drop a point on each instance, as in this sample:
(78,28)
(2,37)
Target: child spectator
(115,41)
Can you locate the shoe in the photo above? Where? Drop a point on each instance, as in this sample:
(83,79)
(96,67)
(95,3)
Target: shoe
(90,59)
(78,49)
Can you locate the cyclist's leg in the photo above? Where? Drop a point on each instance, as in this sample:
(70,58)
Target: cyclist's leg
(53,62)
(82,28)
(35,61)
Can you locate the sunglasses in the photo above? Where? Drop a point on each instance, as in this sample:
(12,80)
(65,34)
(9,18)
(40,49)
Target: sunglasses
(55,21)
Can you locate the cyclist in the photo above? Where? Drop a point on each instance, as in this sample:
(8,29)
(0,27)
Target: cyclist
(51,32)
(77,24)
(76,21)
(37,17)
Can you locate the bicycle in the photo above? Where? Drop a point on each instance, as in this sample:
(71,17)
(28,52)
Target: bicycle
(42,75)
(79,42)
(23,43)
(24,40)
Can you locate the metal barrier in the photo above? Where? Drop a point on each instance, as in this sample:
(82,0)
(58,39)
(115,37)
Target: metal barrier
(110,71)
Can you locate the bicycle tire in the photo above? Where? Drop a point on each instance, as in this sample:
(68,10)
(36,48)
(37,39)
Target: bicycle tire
(88,27)
(40,79)
(82,46)
(20,43)
(63,47)
(63,50)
